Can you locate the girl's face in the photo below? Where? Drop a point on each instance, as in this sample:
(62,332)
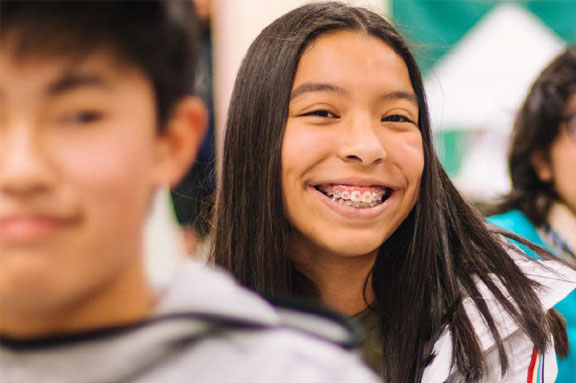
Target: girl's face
(559,167)
(352,155)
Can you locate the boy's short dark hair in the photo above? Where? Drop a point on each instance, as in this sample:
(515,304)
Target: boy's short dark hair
(156,36)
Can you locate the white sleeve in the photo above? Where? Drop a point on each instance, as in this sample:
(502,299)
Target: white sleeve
(440,368)
(557,281)
(525,363)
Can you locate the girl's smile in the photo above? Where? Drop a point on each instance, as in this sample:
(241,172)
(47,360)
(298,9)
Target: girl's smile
(355,199)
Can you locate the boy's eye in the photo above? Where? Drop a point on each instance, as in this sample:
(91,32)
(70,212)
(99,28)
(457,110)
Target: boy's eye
(321,113)
(82,117)
(396,118)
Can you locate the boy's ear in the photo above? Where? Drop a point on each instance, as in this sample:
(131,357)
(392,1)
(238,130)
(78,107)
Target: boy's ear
(541,166)
(180,140)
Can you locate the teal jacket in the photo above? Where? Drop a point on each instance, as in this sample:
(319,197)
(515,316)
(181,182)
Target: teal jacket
(516,222)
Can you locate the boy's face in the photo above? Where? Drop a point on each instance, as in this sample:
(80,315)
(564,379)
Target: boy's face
(79,160)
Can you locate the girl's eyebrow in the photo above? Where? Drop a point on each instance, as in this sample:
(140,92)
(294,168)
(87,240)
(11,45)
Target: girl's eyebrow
(327,87)
(316,87)
(400,95)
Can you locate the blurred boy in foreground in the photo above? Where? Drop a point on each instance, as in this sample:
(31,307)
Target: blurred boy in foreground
(94,117)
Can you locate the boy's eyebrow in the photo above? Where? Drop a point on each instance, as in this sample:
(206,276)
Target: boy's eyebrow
(316,87)
(70,82)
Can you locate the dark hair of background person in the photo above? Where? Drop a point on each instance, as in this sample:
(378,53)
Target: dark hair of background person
(158,37)
(435,258)
(193,197)
(536,126)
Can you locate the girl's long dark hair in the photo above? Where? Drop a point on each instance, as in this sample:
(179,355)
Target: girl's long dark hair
(423,271)
(536,126)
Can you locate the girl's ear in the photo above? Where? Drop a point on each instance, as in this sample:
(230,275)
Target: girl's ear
(542,166)
(178,144)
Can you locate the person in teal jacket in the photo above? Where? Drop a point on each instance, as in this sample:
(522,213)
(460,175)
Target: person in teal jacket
(542,204)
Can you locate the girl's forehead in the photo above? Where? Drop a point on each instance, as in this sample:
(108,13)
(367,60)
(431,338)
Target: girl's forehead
(351,48)
(350,64)
(347,41)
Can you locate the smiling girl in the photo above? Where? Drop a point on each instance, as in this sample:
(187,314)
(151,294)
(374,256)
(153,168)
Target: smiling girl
(331,190)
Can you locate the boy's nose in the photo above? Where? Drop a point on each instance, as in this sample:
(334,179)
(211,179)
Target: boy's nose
(24,168)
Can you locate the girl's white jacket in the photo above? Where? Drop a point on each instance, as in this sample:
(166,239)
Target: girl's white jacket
(526,365)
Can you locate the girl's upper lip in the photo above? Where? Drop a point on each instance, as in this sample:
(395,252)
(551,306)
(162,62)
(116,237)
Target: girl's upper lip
(355,181)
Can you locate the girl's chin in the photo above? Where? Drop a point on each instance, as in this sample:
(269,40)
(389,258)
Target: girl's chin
(351,250)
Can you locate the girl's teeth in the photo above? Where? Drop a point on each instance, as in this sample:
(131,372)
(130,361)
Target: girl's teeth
(354,198)
(367,197)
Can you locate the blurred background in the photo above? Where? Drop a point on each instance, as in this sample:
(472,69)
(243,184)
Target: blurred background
(478,59)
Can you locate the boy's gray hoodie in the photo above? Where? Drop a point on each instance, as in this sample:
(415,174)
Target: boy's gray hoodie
(206,329)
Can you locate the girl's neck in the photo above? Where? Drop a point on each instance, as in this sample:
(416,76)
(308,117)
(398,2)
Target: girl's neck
(563,220)
(344,282)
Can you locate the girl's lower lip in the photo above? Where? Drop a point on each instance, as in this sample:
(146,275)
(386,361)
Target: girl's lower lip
(350,211)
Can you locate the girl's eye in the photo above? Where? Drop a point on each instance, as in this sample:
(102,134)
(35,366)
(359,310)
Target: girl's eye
(321,113)
(82,117)
(396,118)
